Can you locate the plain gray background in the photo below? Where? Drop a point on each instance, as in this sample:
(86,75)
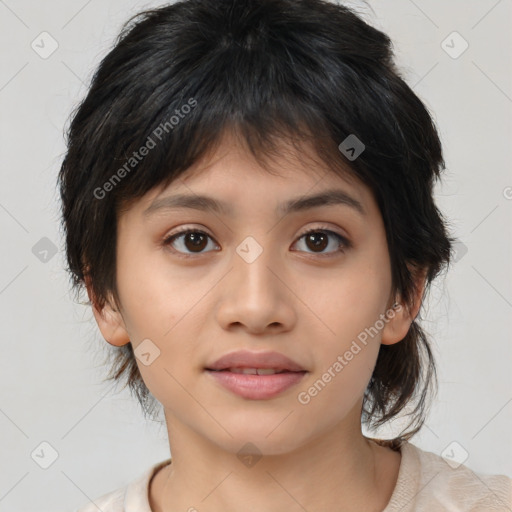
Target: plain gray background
(51,361)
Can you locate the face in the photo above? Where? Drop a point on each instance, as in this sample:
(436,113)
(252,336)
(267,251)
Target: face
(249,277)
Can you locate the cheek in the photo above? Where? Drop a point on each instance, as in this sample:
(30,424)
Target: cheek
(157,295)
(162,308)
(350,333)
(339,385)
(345,361)
(347,306)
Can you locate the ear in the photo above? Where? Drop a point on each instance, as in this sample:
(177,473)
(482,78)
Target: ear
(108,318)
(400,318)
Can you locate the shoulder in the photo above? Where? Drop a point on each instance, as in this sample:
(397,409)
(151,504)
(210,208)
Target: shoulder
(111,502)
(428,481)
(133,497)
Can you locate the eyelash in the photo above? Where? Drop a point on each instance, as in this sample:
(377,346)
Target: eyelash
(344,243)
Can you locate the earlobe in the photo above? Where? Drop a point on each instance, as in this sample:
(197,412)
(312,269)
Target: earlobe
(109,320)
(401,316)
(397,324)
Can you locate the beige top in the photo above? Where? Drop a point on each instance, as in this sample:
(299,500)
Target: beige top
(426,483)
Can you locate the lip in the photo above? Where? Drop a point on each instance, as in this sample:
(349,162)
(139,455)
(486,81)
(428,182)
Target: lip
(248,359)
(256,387)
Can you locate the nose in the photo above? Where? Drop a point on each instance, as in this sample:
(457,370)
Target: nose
(257,294)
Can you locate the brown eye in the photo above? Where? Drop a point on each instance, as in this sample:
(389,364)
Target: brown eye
(318,239)
(195,242)
(189,241)
(192,241)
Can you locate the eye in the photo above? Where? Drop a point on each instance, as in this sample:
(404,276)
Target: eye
(196,241)
(191,239)
(318,240)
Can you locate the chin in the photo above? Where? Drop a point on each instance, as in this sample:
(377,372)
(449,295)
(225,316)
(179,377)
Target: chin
(263,438)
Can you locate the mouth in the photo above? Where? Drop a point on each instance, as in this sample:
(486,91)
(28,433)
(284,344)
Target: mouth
(252,363)
(255,383)
(255,371)
(255,375)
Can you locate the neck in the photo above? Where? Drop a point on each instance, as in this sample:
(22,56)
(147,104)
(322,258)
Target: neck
(340,470)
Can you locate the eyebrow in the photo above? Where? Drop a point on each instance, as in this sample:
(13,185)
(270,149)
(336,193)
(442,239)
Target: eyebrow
(207,203)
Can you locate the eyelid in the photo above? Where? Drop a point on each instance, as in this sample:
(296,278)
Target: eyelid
(344,240)
(324,227)
(184,230)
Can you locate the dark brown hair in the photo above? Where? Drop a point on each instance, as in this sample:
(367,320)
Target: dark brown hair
(181,76)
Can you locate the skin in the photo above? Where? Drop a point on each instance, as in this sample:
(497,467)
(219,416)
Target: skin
(290,299)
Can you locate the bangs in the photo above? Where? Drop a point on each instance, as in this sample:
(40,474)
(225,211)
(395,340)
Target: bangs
(262,82)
